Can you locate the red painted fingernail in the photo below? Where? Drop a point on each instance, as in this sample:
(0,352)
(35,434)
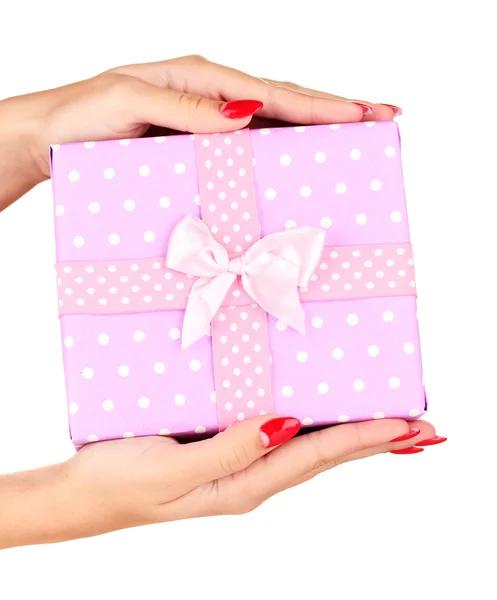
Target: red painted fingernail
(437,439)
(407,436)
(277,431)
(397,111)
(239,109)
(411,450)
(366,109)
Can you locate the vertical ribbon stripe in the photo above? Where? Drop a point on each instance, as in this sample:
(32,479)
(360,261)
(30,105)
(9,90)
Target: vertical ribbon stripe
(239,333)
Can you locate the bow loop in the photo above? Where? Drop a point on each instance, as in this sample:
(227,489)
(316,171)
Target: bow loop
(271,272)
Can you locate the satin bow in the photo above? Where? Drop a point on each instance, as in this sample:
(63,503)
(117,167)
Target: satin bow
(271,271)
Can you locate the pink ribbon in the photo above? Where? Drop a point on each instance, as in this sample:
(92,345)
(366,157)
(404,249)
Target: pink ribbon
(271,271)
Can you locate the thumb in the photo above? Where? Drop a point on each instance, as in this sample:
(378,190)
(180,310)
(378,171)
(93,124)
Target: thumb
(236,448)
(187,112)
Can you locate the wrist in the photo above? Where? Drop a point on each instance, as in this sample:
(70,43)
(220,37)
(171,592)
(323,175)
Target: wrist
(21,166)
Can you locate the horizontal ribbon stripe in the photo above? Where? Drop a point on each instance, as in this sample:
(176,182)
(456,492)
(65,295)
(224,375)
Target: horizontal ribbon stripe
(144,285)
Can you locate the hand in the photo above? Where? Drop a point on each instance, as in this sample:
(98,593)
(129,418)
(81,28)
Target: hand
(186,94)
(124,483)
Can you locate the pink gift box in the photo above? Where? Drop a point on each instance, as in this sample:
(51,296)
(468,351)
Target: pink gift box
(122,308)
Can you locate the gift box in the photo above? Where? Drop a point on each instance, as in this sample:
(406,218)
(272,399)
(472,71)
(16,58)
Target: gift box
(205,279)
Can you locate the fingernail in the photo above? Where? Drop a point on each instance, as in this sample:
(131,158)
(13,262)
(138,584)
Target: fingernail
(366,109)
(239,109)
(437,439)
(397,111)
(407,436)
(411,450)
(277,431)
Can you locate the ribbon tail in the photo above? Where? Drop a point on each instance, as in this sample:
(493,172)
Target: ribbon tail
(204,301)
(272,282)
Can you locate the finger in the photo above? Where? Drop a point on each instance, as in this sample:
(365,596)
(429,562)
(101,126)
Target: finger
(150,104)
(235,449)
(308,455)
(381,112)
(426,431)
(200,77)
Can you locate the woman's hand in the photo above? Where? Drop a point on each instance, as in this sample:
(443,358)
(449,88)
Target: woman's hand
(125,483)
(186,94)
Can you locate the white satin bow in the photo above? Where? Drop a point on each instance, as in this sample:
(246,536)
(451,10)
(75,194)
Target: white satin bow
(271,272)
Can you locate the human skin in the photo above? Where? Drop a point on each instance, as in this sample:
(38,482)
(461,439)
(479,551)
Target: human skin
(130,482)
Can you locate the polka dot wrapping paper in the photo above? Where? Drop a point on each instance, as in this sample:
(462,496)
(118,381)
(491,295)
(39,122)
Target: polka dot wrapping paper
(121,309)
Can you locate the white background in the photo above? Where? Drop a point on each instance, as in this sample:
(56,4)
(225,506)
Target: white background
(391,527)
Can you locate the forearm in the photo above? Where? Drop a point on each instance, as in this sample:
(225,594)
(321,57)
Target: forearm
(40,506)
(19,171)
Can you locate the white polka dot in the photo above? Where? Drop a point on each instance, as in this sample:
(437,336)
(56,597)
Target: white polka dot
(78,241)
(234,206)
(179,399)
(94,207)
(361,219)
(109,173)
(285,159)
(388,316)
(238,394)
(352,319)
(337,353)
(200,429)
(355,154)
(123,370)
(335,126)
(103,339)
(264,131)
(124,142)
(390,151)
(342,418)
(73,408)
(223,339)
(376,185)
(290,223)
(396,216)
(379,415)
(317,322)
(196,199)
(108,405)
(323,388)
(130,205)
(280,326)
(164,432)
(159,367)
(369,123)
(320,157)
(394,382)
(87,373)
(226,239)
(228,406)
(144,402)
(144,170)
(73,176)
(340,188)
(149,236)
(305,191)
(302,356)
(89,145)
(164,202)
(326,222)
(287,391)
(408,347)
(174,333)
(114,239)
(358,385)
(235,349)
(373,350)
(240,416)
(299,129)
(307,421)
(159,139)
(92,438)
(380,274)
(68,341)
(414,412)
(128,434)
(212,397)
(270,194)
(257,348)
(244,316)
